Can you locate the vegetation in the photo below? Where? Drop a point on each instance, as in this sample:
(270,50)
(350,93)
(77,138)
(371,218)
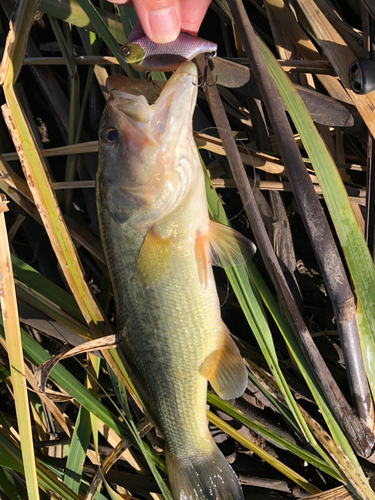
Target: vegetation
(299,182)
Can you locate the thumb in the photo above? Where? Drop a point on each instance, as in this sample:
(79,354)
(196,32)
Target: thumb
(160,19)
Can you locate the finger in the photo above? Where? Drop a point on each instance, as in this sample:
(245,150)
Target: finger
(192,14)
(160,19)
(128,3)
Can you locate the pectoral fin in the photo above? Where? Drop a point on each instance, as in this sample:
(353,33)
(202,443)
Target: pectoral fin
(154,257)
(225,369)
(229,247)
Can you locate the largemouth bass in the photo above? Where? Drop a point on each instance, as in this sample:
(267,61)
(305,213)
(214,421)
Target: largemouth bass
(157,237)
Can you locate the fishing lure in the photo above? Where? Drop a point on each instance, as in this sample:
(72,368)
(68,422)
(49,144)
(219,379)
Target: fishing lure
(146,55)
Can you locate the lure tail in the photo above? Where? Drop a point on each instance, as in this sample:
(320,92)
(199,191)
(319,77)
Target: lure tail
(204,477)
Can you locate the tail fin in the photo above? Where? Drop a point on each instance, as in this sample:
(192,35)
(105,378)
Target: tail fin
(207,477)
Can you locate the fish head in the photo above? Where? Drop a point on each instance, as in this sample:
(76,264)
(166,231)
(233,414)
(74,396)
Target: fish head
(147,155)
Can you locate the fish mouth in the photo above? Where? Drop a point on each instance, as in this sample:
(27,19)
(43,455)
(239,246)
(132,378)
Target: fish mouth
(154,145)
(180,90)
(161,123)
(172,113)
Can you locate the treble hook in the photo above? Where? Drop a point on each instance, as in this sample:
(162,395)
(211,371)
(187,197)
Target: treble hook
(204,84)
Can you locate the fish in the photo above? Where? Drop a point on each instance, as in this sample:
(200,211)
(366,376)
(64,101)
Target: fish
(145,55)
(159,245)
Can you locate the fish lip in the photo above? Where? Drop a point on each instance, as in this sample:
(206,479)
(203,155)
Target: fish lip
(172,113)
(183,81)
(186,70)
(185,76)
(180,90)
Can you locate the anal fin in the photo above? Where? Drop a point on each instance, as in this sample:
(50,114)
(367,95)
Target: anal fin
(225,369)
(229,247)
(154,257)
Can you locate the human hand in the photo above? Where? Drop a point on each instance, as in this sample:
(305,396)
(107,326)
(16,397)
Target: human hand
(162,20)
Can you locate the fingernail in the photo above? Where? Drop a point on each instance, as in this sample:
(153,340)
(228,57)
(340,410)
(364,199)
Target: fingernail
(164,24)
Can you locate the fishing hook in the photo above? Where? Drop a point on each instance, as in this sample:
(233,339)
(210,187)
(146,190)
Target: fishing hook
(204,84)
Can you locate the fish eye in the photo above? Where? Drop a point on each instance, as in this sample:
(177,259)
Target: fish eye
(125,51)
(109,136)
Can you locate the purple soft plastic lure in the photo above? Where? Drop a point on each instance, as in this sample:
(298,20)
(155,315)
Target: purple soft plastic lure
(145,55)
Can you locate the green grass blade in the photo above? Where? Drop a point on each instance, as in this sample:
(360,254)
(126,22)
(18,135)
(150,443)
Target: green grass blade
(34,280)
(13,345)
(77,451)
(71,12)
(10,486)
(272,435)
(9,457)
(101,28)
(91,382)
(47,480)
(128,18)
(218,214)
(357,255)
(263,454)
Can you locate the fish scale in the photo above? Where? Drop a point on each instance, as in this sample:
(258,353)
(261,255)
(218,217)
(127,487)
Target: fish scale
(155,230)
(179,294)
(178,383)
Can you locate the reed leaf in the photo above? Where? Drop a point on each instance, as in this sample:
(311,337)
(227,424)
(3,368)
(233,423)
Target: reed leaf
(218,214)
(264,455)
(71,12)
(32,279)
(47,480)
(9,486)
(83,317)
(13,346)
(358,258)
(77,450)
(271,435)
